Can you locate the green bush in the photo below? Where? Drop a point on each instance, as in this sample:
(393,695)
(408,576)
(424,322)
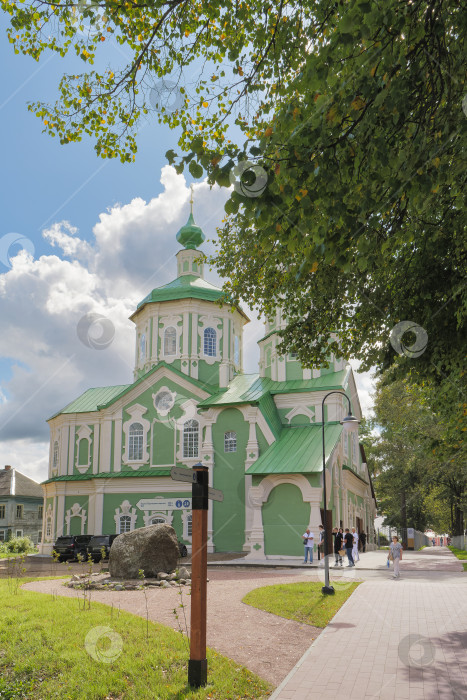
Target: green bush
(18,545)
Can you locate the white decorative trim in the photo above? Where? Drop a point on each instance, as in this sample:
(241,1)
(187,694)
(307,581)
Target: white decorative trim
(164,390)
(84,433)
(49,520)
(167,322)
(210,321)
(136,413)
(166,516)
(125,509)
(301,411)
(76,511)
(186,514)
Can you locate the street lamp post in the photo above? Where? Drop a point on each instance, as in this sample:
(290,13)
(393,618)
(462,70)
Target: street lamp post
(349,422)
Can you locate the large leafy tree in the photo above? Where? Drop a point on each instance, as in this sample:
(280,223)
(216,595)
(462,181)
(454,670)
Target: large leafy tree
(341,125)
(419,454)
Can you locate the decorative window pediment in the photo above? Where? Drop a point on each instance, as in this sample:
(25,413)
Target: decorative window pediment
(125,518)
(164,400)
(83,448)
(135,452)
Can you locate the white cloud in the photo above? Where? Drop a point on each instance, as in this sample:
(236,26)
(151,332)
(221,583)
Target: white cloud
(42,302)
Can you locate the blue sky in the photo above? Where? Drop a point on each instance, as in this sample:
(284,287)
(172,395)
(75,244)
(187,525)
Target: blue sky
(103,235)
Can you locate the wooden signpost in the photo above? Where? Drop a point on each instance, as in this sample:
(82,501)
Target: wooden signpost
(201,493)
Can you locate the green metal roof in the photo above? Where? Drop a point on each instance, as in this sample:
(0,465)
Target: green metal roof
(299,450)
(101,397)
(110,475)
(269,410)
(92,399)
(250,388)
(184,287)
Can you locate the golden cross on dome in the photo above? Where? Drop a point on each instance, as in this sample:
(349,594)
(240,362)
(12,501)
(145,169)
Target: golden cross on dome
(191,199)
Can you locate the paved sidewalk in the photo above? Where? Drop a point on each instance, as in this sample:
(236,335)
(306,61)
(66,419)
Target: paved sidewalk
(393,639)
(432,558)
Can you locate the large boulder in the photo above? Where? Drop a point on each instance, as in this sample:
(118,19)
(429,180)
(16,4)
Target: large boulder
(152,549)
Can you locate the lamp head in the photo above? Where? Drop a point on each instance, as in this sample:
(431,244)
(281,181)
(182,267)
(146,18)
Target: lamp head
(350,423)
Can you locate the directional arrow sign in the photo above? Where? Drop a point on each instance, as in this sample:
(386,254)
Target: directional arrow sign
(181,474)
(215,494)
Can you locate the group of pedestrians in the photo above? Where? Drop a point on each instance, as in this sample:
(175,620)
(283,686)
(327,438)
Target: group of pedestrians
(346,543)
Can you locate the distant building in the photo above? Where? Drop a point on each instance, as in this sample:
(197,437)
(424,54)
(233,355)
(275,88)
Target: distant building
(112,449)
(21,506)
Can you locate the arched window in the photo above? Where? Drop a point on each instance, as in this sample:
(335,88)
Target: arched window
(125,523)
(55,455)
(210,342)
(190,438)
(170,341)
(188,525)
(158,520)
(142,346)
(135,441)
(230,442)
(236,350)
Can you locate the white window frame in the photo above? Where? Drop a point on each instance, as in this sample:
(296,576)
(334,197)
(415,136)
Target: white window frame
(135,442)
(136,413)
(210,342)
(125,508)
(55,456)
(230,441)
(127,519)
(188,445)
(19,533)
(173,341)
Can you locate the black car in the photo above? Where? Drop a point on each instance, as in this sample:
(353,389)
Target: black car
(72,546)
(97,543)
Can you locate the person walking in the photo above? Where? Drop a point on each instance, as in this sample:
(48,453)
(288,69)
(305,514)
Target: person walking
(321,543)
(395,554)
(308,539)
(337,535)
(348,540)
(355,554)
(363,541)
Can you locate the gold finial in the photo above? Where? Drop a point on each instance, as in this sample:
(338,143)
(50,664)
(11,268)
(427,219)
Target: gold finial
(191,199)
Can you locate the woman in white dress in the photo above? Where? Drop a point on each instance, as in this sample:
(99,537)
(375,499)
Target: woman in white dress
(355,554)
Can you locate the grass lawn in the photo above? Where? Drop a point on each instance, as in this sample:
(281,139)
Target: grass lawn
(460,554)
(50,648)
(302,602)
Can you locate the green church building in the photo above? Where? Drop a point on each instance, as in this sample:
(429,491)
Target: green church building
(112,449)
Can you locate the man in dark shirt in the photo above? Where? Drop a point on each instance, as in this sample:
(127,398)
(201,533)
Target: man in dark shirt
(337,545)
(348,539)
